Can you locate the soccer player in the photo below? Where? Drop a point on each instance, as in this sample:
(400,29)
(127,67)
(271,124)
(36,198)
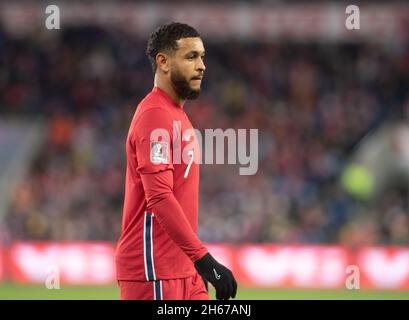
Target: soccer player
(159,255)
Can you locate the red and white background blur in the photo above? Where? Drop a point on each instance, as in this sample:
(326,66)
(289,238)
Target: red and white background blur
(266,265)
(314,20)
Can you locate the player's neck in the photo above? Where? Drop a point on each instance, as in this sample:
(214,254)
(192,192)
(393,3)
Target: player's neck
(169,90)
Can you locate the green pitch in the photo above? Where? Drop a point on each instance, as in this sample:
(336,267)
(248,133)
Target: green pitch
(26,292)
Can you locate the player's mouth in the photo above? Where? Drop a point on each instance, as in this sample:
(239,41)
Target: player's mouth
(199,78)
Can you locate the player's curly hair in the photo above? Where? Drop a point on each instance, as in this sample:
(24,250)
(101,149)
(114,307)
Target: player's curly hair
(164,38)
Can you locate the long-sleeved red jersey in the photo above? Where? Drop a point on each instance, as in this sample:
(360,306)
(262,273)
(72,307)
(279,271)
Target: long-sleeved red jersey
(160,216)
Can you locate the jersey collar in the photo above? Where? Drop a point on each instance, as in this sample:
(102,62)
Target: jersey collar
(166,96)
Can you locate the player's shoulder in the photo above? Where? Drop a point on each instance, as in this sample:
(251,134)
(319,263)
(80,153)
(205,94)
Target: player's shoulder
(153,105)
(151,113)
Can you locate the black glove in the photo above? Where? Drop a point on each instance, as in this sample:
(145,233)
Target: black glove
(218,275)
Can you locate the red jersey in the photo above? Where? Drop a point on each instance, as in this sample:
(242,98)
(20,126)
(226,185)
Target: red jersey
(160,215)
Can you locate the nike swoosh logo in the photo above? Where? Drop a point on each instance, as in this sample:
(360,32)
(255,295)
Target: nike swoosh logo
(218,276)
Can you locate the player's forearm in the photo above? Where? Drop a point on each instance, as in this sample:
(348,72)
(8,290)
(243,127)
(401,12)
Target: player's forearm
(172,219)
(170,215)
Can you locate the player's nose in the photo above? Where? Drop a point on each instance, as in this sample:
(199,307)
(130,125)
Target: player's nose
(201,66)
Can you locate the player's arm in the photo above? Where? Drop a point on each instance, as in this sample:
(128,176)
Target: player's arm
(152,139)
(161,201)
(159,195)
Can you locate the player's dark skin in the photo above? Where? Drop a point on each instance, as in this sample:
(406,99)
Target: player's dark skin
(187,61)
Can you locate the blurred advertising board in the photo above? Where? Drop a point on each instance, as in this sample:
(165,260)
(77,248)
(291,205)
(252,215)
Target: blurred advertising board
(75,262)
(254,265)
(1,263)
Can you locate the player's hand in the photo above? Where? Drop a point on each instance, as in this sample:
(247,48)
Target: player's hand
(218,275)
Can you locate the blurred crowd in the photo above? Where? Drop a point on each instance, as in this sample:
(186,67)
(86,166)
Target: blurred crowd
(312,103)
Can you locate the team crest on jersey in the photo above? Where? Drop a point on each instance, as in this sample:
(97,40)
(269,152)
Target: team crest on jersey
(159,152)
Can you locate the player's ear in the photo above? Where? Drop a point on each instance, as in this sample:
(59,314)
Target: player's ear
(162,62)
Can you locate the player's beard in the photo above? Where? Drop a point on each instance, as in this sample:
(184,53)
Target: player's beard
(182,87)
